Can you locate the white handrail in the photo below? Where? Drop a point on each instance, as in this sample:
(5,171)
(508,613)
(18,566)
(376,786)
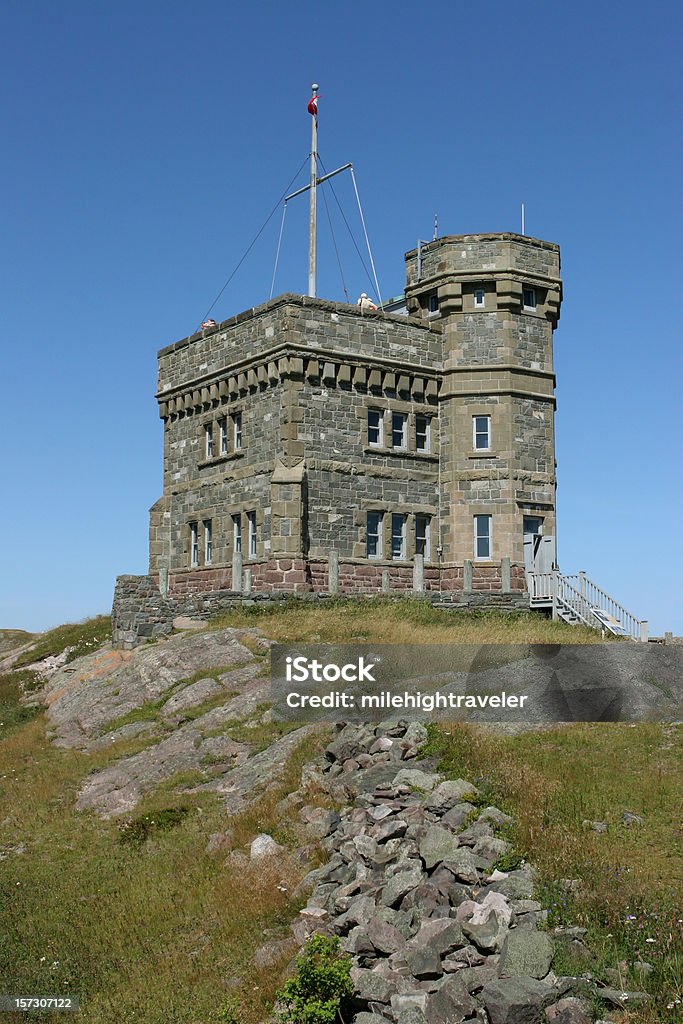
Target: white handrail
(581,597)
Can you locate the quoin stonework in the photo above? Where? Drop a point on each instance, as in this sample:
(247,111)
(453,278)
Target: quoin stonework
(314,448)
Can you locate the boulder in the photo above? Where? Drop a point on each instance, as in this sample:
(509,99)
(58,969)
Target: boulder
(516,1000)
(464,865)
(384,936)
(438,844)
(487,924)
(400,1002)
(422,961)
(415,736)
(392,828)
(622,999)
(399,885)
(458,816)
(451,1003)
(496,817)
(264,846)
(447,794)
(411,1015)
(519,884)
(490,848)
(569,1011)
(443,935)
(370,986)
(319,821)
(527,953)
(414,778)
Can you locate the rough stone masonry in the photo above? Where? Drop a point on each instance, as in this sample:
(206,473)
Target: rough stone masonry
(437,934)
(312,448)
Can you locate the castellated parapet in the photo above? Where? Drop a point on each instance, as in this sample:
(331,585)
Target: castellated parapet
(311,448)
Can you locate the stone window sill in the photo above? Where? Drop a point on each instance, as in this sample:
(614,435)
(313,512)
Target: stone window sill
(219,459)
(388,563)
(483,454)
(403,453)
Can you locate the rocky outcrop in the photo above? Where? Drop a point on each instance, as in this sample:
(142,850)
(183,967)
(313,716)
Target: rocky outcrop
(85,697)
(182,697)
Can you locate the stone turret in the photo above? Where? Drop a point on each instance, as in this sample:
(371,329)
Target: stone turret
(498,298)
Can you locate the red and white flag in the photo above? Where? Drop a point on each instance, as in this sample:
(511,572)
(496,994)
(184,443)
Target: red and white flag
(313,106)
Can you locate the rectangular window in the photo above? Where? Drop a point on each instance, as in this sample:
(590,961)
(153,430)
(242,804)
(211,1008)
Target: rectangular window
(482,537)
(251,519)
(529,298)
(433,303)
(481,433)
(422,536)
(208,438)
(398,536)
(399,430)
(237,533)
(208,542)
(533,526)
(375,427)
(237,431)
(194,544)
(422,433)
(374,535)
(223,436)
(479,298)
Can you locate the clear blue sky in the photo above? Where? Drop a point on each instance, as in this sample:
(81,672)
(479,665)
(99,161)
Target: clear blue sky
(145,142)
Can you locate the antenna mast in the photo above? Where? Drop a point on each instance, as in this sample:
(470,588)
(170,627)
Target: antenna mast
(312,227)
(313,185)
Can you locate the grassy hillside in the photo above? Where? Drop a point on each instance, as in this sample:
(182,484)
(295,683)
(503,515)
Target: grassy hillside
(148,927)
(404,621)
(10,639)
(624,885)
(134,915)
(80,637)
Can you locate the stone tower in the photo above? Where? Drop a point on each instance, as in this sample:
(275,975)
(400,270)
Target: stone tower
(313,447)
(498,298)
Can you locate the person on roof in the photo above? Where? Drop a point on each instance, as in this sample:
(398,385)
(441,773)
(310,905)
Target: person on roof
(366,304)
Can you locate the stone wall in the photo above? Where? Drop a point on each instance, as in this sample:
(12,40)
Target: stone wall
(139,611)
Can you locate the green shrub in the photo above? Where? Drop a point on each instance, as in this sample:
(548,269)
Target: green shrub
(136,831)
(320,986)
(230,1012)
(13,712)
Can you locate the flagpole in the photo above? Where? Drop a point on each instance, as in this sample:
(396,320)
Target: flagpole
(314,181)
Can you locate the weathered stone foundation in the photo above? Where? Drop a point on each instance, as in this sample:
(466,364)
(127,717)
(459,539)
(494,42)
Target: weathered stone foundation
(140,612)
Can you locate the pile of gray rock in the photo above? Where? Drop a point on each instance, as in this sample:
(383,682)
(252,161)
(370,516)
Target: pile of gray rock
(437,934)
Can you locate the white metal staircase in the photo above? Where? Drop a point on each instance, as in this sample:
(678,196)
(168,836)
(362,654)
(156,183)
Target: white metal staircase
(576,599)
